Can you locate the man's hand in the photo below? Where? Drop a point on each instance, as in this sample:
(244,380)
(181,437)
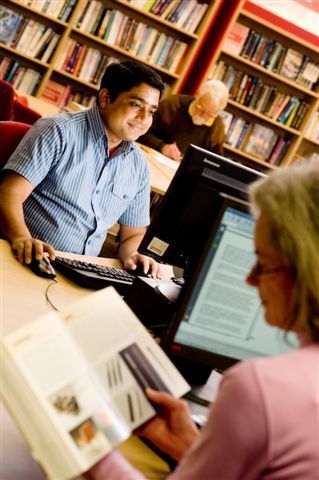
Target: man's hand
(24,246)
(172,151)
(172,430)
(148,264)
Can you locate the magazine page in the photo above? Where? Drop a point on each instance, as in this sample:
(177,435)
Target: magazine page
(87,368)
(71,403)
(122,354)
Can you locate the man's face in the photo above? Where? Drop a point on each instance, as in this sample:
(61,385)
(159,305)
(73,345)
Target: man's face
(131,114)
(204,109)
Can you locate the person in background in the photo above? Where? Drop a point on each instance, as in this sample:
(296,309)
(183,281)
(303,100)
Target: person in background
(264,423)
(74,175)
(183,119)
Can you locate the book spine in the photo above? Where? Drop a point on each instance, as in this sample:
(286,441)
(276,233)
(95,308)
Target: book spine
(18,77)
(3,66)
(300,115)
(44,42)
(269,101)
(65,16)
(80,60)
(267,52)
(25,37)
(88,15)
(104,23)
(292,114)
(74,59)
(259,51)
(11,74)
(94,19)
(84,5)
(287,111)
(46,56)
(250,93)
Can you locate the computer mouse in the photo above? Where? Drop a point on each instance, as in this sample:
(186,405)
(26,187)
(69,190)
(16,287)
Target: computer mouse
(42,268)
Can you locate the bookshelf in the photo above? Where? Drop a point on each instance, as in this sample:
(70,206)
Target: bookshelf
(249,68)
(171,45)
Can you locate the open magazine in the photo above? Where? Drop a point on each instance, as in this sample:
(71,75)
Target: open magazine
(74,381)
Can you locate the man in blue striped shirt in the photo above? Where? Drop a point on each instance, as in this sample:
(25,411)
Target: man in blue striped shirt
(75,174)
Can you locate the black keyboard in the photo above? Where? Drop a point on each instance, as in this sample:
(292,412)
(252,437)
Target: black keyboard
(91,275)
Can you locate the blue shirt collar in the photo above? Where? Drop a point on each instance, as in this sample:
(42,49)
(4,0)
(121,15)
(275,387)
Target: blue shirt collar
(98,129)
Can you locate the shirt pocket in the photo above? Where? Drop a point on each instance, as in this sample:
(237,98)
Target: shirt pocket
(124,190)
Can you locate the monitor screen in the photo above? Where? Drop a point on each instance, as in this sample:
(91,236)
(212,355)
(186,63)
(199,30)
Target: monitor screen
(220,318)
(182,222)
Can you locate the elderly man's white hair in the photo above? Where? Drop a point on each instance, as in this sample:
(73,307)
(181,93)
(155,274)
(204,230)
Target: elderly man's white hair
(217,90)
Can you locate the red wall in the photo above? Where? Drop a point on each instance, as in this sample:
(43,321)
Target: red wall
(291,25)
(209,44)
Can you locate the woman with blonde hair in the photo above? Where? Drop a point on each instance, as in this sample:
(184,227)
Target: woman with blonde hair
(265,421)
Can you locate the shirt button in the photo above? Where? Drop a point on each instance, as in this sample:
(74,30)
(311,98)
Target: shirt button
(97,192)
(89,242)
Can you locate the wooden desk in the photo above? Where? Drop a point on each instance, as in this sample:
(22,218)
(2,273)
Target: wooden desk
(39,105)
(22,300)
(161,173)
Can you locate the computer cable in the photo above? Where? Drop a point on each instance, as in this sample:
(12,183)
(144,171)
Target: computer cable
(47,296)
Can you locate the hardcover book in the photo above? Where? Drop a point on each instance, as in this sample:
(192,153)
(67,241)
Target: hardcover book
(74,381)
(291,64)
(53,92)
(235,39)
(9,22)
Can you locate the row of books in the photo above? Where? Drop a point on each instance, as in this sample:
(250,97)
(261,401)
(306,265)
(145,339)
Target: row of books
(24,79)
(137,38)
(254,139)
(26,35)
(186,14)
(313,127)
(60,9)
(86,63)
(251,92)
(61,95)
(82,98)
(272,55)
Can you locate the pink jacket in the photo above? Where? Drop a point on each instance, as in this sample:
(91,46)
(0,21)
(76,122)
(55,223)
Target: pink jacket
(264,425)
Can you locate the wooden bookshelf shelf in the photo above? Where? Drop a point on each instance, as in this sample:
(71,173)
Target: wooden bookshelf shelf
(26,9)
(123,52)
(282,126)
(269,73)
(76,79)
(248,156)
(311,140)
(244,62)
(173,72)
(23,56)
(288,36)
(157,19)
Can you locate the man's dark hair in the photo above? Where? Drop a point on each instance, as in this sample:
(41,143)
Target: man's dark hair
(121,77)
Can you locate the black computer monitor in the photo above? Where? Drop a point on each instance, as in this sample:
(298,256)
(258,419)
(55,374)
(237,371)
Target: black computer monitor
(182,222)
(220,318)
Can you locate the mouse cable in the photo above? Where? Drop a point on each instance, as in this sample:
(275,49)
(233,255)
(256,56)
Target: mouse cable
(196,399)
(47,296)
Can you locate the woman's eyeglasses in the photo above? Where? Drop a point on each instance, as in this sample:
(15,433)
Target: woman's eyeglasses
(258,270)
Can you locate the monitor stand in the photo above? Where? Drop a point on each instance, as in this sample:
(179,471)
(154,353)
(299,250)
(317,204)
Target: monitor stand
(194,372)
(153,302)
